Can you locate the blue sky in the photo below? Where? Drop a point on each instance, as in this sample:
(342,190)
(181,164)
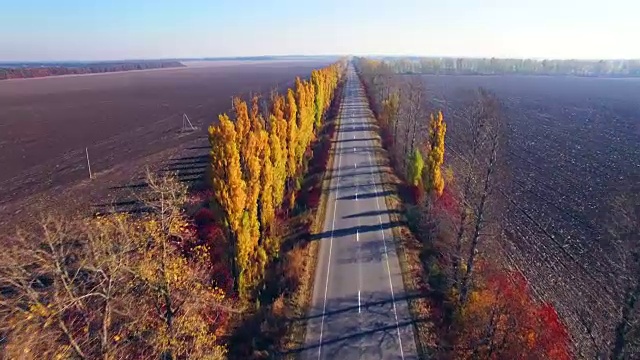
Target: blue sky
(118,29)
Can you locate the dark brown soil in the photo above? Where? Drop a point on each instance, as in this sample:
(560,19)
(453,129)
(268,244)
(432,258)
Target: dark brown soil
(128,121)
(572,143)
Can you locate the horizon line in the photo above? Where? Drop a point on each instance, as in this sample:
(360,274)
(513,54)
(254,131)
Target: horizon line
(249,57)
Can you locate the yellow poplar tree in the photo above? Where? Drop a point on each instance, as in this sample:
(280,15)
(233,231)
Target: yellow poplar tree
(229,186)
(319,84)
(311,113)
(243,124)
(277,144)
(250,166)
(277,106)
(301,102)
(292,132)
(255,117)
(267,206)
(280,130)
(434,182)
(305,102)
(251,225)
(267,211)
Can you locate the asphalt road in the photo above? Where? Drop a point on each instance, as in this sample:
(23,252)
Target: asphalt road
(359,308)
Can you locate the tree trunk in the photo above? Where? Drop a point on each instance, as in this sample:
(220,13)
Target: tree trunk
(479,221)
(106,322)
(476,126)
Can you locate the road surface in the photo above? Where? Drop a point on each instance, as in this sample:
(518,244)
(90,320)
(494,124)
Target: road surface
(359,308)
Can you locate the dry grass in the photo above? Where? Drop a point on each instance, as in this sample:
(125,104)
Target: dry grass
(278,308)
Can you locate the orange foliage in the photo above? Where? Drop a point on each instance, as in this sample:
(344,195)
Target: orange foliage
(256,163)
(503,321)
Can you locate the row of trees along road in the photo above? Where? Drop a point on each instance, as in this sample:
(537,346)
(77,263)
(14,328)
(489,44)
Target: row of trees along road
(417,149)
(489,313)
(257,161)
(464,216)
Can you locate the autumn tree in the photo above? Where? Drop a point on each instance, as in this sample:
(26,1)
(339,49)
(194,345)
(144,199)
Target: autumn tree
(242,125)
(412,110)
(255,116)
(176,290)
(255,163)
(111,287)
(247,231)
(250,221)
(278,150)
(304,102)
(60,282)
(433,179)
(501,320)
(266,202)
(291,116)
(318,80)
(416,166)
(480,163)
(390,107)
(229,185)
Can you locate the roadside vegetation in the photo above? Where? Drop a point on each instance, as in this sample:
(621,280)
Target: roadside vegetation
(267,165)
(478,306)
(115,286)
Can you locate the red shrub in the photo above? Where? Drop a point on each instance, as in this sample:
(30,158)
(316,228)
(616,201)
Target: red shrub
(222,278)
(209,233)
(203,216)
(213,236)
(553,338)
(502,320)
(313,197)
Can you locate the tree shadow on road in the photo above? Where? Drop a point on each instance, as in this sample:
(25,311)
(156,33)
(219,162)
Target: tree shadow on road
(349,324)
(352,230)
(367,195)
(373,213)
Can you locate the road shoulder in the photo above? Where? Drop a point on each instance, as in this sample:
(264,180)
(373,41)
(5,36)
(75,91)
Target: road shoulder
(409,250)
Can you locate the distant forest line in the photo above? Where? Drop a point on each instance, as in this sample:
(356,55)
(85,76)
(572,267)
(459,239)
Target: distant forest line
(29,69)
(402,65)
(494,66)
(36,70)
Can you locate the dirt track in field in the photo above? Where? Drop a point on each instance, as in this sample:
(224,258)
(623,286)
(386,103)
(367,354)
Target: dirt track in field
(128,121)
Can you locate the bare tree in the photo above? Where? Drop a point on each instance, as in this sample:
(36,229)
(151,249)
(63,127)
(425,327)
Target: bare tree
(111,287)
(63,290)
(479,163)
(413,111)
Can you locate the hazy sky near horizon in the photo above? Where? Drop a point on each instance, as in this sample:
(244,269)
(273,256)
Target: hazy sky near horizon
(44,30)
